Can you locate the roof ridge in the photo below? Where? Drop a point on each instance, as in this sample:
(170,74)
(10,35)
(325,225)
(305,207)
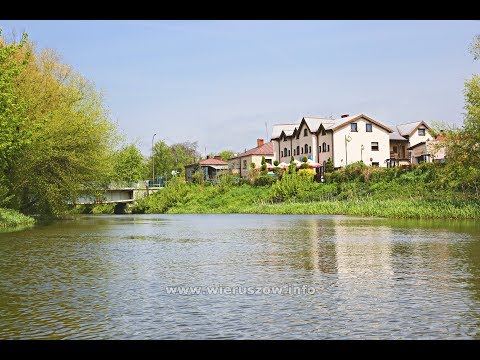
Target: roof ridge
(411,122)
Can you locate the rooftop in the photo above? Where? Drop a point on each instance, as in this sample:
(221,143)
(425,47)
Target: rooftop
(265,149)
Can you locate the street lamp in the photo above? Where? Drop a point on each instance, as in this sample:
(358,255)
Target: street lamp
(153,163)
(348,138)
(361,152)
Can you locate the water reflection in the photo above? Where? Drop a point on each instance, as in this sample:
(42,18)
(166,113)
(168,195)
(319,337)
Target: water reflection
(105,277)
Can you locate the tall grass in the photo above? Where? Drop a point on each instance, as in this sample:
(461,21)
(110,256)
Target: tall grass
(12,218)
(357,190)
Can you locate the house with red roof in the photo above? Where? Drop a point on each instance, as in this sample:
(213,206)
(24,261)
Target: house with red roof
(211,167)
(241,163)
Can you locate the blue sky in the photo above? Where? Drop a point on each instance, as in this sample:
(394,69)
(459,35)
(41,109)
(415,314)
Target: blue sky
(218,82)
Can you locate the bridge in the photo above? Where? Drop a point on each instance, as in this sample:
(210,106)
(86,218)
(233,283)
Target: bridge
(120,196)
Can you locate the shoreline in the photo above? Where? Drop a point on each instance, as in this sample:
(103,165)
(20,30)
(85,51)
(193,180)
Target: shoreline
(11,220)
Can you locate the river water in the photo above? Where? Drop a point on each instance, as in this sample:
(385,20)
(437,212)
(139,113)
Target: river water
(275,276)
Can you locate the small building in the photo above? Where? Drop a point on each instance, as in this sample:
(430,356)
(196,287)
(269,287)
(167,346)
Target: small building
(240,164)
(210,167)
(408,144)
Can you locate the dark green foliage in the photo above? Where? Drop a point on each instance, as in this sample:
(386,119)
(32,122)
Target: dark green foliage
(264,180)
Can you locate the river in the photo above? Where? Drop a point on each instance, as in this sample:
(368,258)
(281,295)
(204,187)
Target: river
(275,276)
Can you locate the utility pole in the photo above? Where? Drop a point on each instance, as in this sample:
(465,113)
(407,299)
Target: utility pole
(153,162)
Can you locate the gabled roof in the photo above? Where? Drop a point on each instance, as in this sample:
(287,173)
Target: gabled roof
(396,136)
(278,128)
(265,149)
(349,119)
(409,128)
(314,123)
(416,145)
(212,162)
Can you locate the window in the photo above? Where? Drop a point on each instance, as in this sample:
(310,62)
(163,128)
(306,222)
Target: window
(320,148)
(305,132)
(268,161)
(353,126)
(285,151)
(421,132)
(288,152)
(375,164)
(302,150)
(306,148)
(281,153)
(368,127)
(309,149)
(395,149)
(298,150)
(294,152)
(328,147)
(244,164)
(324,145)
(374,146)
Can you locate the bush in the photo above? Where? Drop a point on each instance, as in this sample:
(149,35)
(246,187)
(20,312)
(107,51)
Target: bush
(264,180)
(276,162)
(290,186)
(198,178)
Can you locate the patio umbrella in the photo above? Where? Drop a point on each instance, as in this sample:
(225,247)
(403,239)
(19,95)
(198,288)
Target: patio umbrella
(270,167)
(313,164)
(283,165)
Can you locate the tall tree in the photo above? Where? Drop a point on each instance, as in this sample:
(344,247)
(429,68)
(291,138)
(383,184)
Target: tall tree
(128,164)
(63,136)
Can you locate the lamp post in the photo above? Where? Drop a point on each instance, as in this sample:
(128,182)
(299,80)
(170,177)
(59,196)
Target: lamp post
(153,163)
(361,152)
(347,140)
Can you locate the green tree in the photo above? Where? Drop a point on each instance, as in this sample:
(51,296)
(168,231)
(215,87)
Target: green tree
(226,154)
(263,167)
(128,164)
(329,165)
(55,131)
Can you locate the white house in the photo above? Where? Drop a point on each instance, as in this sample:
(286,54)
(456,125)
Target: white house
(344,140)
(240,164)
(409,144)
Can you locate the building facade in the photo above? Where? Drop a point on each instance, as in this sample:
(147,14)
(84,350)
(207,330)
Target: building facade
(210,168)
(241,163)
(344,140)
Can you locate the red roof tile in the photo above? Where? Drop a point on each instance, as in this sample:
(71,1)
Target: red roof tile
(265,149)
(212,162)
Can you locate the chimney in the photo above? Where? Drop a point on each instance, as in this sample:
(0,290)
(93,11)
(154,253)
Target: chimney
(217,157)
(208,156)
(259,142)
(345,115)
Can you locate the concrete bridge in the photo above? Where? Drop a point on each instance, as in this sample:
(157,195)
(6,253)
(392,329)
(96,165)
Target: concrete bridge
(119,196)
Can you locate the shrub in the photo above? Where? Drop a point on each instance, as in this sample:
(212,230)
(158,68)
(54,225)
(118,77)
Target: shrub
(276,162)
(264,180)
(198,178)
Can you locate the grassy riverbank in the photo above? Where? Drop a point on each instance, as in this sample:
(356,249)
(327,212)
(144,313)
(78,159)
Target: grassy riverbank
(11,218)
(422,193)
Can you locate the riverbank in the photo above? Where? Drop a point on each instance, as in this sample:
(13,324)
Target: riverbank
(358,191)
(11,219)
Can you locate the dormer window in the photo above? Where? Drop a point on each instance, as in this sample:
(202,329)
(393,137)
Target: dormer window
(421,132)
(305,132)
(353,127)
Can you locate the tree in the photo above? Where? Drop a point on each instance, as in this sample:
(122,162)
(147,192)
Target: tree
(226,154)
(263,168)
(55,131)
(475,47)
(168,158)
(329,165)
(128,164)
